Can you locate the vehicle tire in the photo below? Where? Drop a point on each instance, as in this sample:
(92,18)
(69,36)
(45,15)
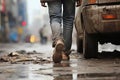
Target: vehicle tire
(90,46)
(79,45)
(116,41)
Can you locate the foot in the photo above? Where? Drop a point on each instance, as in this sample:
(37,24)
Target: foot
(65,57)
(57,54)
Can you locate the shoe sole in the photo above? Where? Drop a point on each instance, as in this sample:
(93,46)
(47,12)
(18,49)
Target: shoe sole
(57,57)
(59,47)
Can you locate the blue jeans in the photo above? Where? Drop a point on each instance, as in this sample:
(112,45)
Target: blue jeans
(56,19)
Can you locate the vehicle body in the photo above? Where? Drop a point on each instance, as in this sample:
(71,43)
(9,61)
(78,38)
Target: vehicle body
(97,20)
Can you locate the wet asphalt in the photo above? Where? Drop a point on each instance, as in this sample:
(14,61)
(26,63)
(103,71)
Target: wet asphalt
(106,67)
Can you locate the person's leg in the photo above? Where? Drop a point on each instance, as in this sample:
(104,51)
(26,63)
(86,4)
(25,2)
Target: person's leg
(55,9)
(68,18)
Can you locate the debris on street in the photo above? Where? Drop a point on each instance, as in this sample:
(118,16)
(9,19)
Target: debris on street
(23,56)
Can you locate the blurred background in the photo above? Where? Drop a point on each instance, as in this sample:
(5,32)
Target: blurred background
(24,21)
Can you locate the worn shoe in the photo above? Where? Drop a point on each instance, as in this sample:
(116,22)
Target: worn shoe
(65,57)
(57,54)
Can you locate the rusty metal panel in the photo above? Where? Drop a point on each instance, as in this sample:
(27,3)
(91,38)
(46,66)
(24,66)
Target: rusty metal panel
(78,22)
(87,2)
(94,23)
(108,1)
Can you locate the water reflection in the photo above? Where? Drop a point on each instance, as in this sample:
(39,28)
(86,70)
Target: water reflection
(14,72)
(63,64)
(65,71)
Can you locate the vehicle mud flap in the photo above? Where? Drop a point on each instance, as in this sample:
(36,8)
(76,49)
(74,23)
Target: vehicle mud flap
(79,44)
(90,46)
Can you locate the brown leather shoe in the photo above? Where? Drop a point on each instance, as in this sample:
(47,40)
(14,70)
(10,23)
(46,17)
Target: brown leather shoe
(57,54)
(65,57)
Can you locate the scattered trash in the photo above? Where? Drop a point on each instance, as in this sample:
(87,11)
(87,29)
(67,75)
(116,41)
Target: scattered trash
(13,54)
(22,56)
(22,52)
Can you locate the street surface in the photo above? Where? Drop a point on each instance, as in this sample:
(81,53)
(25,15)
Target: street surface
(104,68)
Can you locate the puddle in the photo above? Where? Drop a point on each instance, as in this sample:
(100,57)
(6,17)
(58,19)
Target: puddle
(42,67)
(48,71)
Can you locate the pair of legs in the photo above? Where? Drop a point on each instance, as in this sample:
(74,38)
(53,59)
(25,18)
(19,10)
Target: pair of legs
(56,19)
(61,33)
